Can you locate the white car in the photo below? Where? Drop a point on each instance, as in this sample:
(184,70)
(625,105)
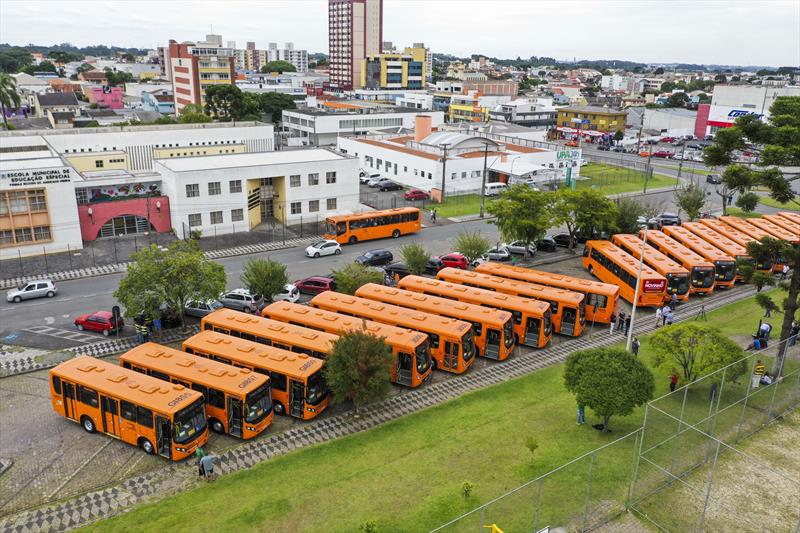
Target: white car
(374,180)
(290,294)
(518,247)
(321,248)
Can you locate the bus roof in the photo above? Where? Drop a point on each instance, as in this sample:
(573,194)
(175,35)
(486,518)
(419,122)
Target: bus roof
(745,227)
(331,321)
(434,304)
(475,295)
(729,231)
(531,290)
(794,217)
(372,214)
(777,231)
(686,255)
(310,339)
(652,257)
(242,351)
(784,223)
(227,378)
(112,380)
(623,259)
(548,278)
(690,240)
(716,238)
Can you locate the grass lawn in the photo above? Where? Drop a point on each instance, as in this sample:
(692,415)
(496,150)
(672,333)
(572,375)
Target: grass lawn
(406,474)
(687,169)
(616,180)
(459,206)
(788,206)
(734,211)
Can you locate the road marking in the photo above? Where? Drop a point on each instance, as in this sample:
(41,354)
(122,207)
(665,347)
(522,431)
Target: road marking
(75,336)
(64,316)
(49,320)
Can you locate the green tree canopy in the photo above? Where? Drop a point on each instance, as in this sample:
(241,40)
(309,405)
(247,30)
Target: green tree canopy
(471,244)
(691,199)
(264,276)
(359,368)
(610,381)
(629,211)
(698,349)
(349,278)
(522,213)
(416,257)
(584,213)
(273,104)
(9,97)
(278,66)
(14,59)
(225,102)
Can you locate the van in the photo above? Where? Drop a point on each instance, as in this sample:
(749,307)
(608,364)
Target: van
(494,189)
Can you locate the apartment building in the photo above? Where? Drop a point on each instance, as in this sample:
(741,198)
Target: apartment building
(602,119)
(395,70)
(195,67)
(355,32)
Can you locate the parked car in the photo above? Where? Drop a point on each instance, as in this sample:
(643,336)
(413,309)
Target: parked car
(314,284)
(604,148)
(200,309)
(618,148)
(454,260)
(561,239)
(400,270)
(664,219)
(678,142)
(374,179)
(290,294)
(389,185)
(326,247)
(494,189)
(714,179)
(416,194)
(696,146)
(571,143)
(651,141)
(546,244)
(39,288)
(666,154)
(644,154)
(100,321)
(498,253)
(667,139)
(377,257)
(242,300)
(518,247)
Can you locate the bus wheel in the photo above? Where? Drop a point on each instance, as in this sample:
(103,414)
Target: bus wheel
(516,339)
(395,234)
(279,409)
(147,446)
(217,426)
(88,424)
(352,240)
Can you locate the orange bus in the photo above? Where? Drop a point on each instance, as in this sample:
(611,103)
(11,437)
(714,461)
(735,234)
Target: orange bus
(775,230)
(373,225)
(297,383)
(410,349)
(601,298)
(238,401)
(677,276)
(491,328)
(701,271)
(567,308)
(451,343)
(728,246)
(612,265)
(744,225)
(728,231)
(532,318)
(785,223)
(791,216)
(157,416)
(724,265)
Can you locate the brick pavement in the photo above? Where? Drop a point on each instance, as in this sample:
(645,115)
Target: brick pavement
(98,505)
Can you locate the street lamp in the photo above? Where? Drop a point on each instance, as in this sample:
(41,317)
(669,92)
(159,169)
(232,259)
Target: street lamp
(643,224)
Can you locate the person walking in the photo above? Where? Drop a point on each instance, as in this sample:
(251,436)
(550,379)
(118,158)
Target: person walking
(670,318)
(664,312)
(635,346)
(199,453)
(758,372)
(207,464)
(157,327)
(145,330)
(611,324)
(433,215)
(627,325)
(658,316)
(673,301)
(767,312)
(137,327)
(793,333)
(581,413)
(785,272)
(620,321)
(673,380)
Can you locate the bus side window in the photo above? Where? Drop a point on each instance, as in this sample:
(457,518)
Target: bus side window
(109,405)
(221,359)
(554,307)
(57,384)
(434,340)
(476,327)
(201,389)
(414,216)
(128,410)
(216,398)
(451,348)
(189,351)
(159,375)
(144,417)
(586,250)
(517,317)
(340,228)
(278,381)
(261,371)
(179,382)
(126,364)
(87,396)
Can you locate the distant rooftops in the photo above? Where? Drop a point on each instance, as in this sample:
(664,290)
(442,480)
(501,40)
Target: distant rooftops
(591,109)
(389,110)
(252,159)
(57,99)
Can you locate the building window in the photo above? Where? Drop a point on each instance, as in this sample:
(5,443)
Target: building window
(235,186)
(18,202)
(6,237)
(313,179)
(42,233)
(195,219)
(98,163)
(36,200)
(216,217)
(237,215)
(313,206)
(214,188)
(296,208)
(330,204)
(330,177)
(192,190)
(294,180)
(23,235)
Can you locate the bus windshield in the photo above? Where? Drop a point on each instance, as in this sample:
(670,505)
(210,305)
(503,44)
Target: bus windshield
(330,227)
(726,270)
(508,333)
(317,389)
(702,277)
(189,423)
(467,345)
(423,357)
(678,283)
(258,404)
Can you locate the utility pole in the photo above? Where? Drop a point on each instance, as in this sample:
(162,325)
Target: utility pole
(444,167)
(680,165)
(483,178)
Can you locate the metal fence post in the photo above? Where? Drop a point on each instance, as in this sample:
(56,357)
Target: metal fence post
(638,456)
(634,463)
(135,244)
(678,433)
(537,506)
(94,262)
(19,255)
(714,404)
(588,492)
(710,485)
(46,268)
(744,405)
(483,515)
(114,241)
(69,255)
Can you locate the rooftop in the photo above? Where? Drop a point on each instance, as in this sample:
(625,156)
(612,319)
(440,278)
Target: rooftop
(283,157)
(389,110)
(27,79)
(591,109)
(28,164)
(57,99)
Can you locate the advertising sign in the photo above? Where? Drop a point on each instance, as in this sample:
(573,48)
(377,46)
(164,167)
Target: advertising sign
(724,116)
(654,285)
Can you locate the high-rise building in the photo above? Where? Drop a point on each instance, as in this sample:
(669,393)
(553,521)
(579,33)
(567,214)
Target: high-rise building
(253,59)
(355,31)
(194,67)
(395,70)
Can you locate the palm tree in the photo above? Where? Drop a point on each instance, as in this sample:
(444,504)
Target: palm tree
(9,97)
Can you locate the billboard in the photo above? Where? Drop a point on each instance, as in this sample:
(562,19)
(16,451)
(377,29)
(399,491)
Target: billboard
(724,116)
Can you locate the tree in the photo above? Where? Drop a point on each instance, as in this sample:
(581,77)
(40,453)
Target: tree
(348,279)
(173,276)
(117,78)
(251,107)
(264,276)
(667,87)
(659,70)
(14,59)
(225,102)
(60,56)
(629,212)
(761,279)
(193,114)
(278,66)
(44,66)
(359,368)
(619,135)
(610,381)
(471,244)
(699,349)
(691,199)
(677,100)
(273,104)
(720,78)
(766,303)
(747,201)
(584,213)
(9,97)
(522,213)
(416,257)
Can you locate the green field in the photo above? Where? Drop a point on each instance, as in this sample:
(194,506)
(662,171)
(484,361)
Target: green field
(688,168)
(617,180)
(734,211)
(406,474)
(788,206)
(459,206)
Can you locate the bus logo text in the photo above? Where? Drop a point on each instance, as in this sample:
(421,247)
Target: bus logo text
(179,399)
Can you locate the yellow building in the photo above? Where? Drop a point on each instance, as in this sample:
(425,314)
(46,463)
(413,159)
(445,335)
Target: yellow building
(467,108)
(592,118)
(401,70)
(115,160)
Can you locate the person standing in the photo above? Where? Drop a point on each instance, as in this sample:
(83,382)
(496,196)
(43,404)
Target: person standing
(612,323)
(793,333)
(673,380)
(670,318)
(137,327)
(157,327)
(785,272)
(199,453)
(635,346)
(581,413)
(758,372)
(627,325)
(767,312)
(433,215)
(620,321)
(673,301)
(658,316)
(664,312)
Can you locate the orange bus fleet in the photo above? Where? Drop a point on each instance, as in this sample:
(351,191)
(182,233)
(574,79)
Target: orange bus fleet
(791,216)
(724,264)
(701,270)
(677,276)
(601,298)
(451,344)
(728,246)
(775,230)
(159,417)
(238,401)
(410,349)
(745,226)
(567,308)
(492,329)
(296,380)
(373,225)
(729,231)
(532,318)
(612,265)
(783,222)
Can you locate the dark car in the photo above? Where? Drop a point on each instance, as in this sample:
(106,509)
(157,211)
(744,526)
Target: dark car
(314,284)
(416,194)
(388,185)
(454,260)
(696,146)
(664,219)
(561,239)
(400,270)
(377,257)
(546,244)
(618,148)
(100,321)
(713,179)
(604,148)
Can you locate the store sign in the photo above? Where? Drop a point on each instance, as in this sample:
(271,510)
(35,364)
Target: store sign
(28,178)
(654,285)
(567,154)
(728,114)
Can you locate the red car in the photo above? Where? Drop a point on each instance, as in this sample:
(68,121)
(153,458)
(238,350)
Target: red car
(100,321)
(416,194)
(667,139)
(314,284)
(663,153)
(455,260)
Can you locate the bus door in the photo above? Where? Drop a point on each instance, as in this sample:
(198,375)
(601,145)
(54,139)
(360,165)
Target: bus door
(110,410)
(163,437)
(404,368)
(235,413)
(568,321)
(492,344)
(450,354)
(297,398)
(69,400)
(532,328)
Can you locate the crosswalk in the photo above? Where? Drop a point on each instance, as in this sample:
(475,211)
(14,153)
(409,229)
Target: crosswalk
(75,336)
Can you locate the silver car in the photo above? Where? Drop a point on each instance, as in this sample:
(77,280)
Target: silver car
(201,309)
(33,289)
(518,247)
(242,300)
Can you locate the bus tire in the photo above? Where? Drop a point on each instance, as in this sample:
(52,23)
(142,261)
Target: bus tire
(147,446)
(280,410)
(434,366)
(216,425)
(352,240)
(395,234)
(88,424)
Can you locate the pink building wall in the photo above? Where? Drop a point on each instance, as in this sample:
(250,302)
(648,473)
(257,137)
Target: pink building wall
(110,100)
(701,122)
(102,212)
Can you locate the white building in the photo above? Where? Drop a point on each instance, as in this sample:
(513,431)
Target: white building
(614,82)
(538,112)
(298,58)
(729,102)
(237,192)
(415,100)
(673,120)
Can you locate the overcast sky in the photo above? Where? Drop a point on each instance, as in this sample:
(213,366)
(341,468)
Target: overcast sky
(740,32)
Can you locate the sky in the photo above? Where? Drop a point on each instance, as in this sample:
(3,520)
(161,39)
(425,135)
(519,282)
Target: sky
(735,32)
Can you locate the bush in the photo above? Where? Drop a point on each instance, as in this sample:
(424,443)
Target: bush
(416,257)
(466,489)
